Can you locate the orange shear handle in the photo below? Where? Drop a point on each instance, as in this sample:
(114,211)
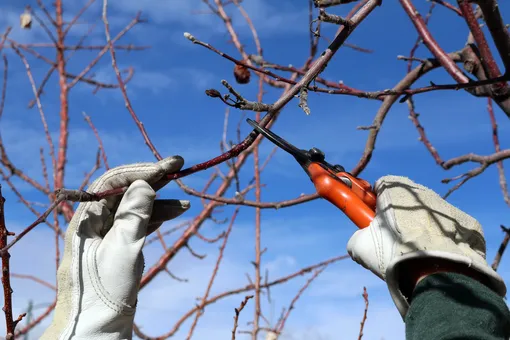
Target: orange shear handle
(358,202)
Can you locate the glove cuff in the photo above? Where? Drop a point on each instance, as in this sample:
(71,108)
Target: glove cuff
(493,279)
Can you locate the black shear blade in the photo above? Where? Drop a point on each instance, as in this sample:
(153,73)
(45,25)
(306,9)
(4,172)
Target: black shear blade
(276,139)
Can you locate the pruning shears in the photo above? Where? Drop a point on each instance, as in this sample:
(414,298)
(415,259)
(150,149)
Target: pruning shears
(354,196)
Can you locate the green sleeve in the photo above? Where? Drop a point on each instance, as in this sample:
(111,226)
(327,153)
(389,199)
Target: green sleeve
(448,306)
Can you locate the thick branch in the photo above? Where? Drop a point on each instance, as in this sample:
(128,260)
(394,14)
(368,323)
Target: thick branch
(499,32)
(432,44)
(388,102)
(6,281)
(487,60)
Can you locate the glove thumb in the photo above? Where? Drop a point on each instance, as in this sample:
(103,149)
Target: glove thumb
(166,210)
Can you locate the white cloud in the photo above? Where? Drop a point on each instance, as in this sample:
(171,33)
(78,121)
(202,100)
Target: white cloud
(120,146)
(152,81)
(162,12)
(282,262)
(194,16)
(271,19)
(155,82)
(344,281)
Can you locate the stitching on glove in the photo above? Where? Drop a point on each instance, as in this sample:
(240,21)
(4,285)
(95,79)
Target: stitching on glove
(74,270)
(377,236)
(101,291)
(139,168)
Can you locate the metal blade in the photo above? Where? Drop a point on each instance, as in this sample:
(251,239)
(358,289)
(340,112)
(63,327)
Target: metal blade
(280,142)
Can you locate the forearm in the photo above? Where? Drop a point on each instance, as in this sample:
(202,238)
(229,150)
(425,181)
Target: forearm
(455,306)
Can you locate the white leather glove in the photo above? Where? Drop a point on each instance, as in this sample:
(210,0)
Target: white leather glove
(413,222)
(100,273)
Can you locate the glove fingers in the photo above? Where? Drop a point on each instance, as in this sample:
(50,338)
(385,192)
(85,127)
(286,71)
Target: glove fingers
(120,252)
(132,216)
(166,210)
(169,166)
(149,172)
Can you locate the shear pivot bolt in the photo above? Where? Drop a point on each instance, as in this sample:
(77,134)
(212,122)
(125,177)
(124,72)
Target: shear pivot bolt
(317,155)
(338,168)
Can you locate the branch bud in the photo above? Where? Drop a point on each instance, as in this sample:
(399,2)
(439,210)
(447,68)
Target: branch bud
(213,93)
(25,19)
(189,36)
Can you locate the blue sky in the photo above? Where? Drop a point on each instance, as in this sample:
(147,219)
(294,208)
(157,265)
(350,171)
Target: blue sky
(168,95)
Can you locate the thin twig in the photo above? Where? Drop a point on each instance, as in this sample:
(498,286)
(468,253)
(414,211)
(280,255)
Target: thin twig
(238,312)
(39,106)
(35,279)
(98,138)
(258,224)
(283,320)
(214,273)
(502,247)
(497,147)
(241,290)
(364,318)
(122,85)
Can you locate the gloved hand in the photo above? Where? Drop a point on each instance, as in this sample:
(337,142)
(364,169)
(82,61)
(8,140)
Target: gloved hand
(415,232)
(100,273)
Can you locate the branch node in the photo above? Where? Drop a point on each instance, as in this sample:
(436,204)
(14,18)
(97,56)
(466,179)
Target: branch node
(303,100)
